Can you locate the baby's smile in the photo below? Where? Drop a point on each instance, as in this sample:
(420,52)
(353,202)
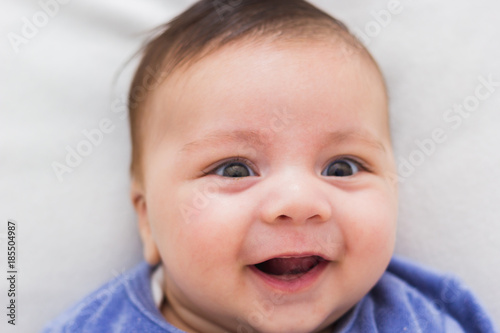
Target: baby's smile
(289,268)
(291,274)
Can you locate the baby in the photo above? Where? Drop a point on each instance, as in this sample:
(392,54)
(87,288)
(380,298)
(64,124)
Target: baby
(263,180)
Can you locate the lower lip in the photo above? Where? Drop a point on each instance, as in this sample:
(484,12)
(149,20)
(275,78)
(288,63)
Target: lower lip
(293,285)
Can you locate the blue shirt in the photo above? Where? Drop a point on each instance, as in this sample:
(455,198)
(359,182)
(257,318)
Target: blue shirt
(407,298)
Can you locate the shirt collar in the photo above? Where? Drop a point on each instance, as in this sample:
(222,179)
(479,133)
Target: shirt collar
(157,280)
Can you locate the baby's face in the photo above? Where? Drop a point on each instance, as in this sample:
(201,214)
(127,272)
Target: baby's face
(267,187)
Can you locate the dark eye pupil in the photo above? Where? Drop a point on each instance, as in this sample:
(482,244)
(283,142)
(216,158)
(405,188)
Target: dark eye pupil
(339,169)
(236,170)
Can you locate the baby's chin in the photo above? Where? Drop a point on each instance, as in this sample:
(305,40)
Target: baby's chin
(286,325)
(263,318)
(286,320)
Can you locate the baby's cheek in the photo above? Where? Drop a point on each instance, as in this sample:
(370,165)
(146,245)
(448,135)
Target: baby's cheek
(371,225)
(203,252)
(206,230)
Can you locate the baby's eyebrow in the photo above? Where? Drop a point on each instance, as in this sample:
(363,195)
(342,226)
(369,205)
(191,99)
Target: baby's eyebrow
(218,137)
(338,137)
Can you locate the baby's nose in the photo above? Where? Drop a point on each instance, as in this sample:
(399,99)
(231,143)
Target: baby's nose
(295,197)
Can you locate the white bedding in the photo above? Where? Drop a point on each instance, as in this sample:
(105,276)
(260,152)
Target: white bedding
(77,230)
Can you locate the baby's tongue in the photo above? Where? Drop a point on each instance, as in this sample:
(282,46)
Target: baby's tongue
(288,266)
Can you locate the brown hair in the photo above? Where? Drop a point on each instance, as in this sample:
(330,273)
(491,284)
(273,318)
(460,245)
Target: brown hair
(207,26)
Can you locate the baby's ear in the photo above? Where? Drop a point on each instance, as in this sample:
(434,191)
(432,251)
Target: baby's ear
(150,250)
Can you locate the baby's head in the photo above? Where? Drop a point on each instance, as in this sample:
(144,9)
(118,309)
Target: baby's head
(262,166)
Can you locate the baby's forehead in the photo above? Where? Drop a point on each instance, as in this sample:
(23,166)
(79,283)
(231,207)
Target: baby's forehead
(265,51)
(269,81)
(247,62)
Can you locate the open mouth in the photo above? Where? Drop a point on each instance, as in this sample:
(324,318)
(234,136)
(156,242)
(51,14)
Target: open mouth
(289,268)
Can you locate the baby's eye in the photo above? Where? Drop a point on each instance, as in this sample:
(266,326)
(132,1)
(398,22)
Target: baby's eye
(234,169)
(341,168)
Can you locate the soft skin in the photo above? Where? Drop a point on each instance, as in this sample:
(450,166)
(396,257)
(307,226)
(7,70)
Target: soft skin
(287,110)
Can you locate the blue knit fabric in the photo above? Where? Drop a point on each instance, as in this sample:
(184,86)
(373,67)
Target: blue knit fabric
(407,298)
